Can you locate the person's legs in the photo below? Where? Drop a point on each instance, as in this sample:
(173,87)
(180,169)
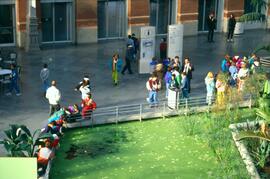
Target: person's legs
(167,89)
(155,100)
(124,69)
(212,35)
(129,67)
(16,87)
(209,36)
(232,32)
(188,84)
(52,109)
(185,93)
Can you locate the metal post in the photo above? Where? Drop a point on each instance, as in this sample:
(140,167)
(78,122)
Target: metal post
(140,112)
(116,114)
(250,102)
(92,119)
(164,107)
(186,107)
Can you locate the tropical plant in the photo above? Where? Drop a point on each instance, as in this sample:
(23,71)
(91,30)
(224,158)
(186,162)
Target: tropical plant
(253,16)
(19,141)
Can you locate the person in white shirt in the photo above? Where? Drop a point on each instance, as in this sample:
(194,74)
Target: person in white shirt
(54,96)
(44,76)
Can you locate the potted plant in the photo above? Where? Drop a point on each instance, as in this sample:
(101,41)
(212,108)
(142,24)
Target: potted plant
(255,18)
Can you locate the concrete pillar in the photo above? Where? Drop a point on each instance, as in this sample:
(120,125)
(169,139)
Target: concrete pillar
(32,35)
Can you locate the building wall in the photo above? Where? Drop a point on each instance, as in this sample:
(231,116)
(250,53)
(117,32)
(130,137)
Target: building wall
(86,21)
(188,16)
(138,15)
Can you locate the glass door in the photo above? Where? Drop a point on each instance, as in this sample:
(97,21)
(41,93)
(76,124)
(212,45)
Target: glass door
(7,24)
(56,22)
(161,12)
(206,7)
(47,22)
(111,18)
(60,20)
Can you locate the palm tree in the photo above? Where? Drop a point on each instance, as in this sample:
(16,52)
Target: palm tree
(19,141)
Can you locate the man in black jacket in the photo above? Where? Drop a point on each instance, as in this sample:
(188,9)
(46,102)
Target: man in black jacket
(231,25)
(211,22)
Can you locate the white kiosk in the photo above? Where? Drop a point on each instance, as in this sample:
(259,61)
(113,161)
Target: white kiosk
(175,48)
(147,48)
(175,41)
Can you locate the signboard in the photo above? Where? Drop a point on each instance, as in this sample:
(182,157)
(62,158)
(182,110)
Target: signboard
(147,48)
(175,41)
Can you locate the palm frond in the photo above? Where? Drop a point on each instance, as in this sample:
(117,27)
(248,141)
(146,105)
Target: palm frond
(251,134)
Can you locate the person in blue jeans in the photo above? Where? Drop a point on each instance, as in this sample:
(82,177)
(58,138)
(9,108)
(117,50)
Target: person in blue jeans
(14,81)
(153,85)
(184,85)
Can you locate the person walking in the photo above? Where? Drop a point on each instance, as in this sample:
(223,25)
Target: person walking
(188,69)
(44,76)
(115,69)
(211,23)
(129,57)
(153,85)
(14,81)
(136,45)
(210,87)
(231,26)
(163,49)
(54,96)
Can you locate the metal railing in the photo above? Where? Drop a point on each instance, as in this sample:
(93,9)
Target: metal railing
(139,112)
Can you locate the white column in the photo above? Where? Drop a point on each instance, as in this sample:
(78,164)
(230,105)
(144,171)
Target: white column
(32,39)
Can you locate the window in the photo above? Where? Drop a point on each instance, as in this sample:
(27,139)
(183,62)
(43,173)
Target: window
(6,24)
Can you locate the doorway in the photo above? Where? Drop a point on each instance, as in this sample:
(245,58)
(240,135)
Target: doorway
(56,22)
(205,8)
(162,14)
(111,19)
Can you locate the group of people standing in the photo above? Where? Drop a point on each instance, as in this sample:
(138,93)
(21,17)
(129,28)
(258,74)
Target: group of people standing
(176,76)
(234,71)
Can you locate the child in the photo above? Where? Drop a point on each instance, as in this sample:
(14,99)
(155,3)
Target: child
(88,106)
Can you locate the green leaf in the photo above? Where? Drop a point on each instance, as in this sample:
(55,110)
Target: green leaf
(26,130)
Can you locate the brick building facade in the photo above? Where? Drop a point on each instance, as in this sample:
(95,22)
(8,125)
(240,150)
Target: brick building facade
(85,21)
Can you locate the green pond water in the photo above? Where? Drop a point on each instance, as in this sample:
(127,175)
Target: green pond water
(151,149)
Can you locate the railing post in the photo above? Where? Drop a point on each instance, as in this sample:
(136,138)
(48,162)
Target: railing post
(92,119)
(186,107)
(140,112)
(164,108)
(116,114)
(250,102)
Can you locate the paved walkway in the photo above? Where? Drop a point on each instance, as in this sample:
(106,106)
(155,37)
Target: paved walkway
(68,65)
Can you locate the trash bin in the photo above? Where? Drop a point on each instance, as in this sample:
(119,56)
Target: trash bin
(173,98)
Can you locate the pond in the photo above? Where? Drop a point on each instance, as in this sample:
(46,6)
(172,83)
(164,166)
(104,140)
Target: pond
(151,149)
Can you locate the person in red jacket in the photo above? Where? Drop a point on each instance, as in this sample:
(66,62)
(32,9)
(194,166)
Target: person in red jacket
(163,49)
(88,105)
